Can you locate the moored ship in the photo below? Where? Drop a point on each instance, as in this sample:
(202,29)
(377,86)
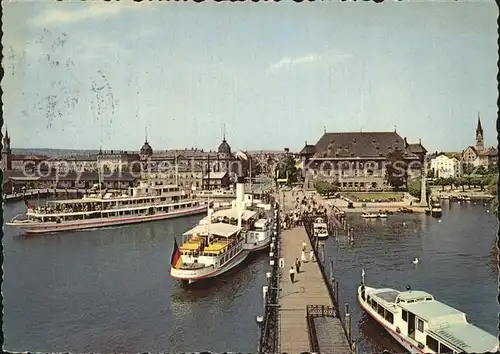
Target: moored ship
(255,223)
(208,250)
(422,324)
(146,202)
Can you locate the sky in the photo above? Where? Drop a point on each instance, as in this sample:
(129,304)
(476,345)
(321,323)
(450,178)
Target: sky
(90,75)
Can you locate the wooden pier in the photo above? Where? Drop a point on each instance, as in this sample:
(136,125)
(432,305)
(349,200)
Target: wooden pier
(309,288)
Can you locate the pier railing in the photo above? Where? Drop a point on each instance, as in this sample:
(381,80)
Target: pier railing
(269,328)
(316,311)
(331,284)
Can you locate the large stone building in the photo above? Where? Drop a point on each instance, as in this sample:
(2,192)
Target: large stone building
(478,155)
(190,165)
(357,160)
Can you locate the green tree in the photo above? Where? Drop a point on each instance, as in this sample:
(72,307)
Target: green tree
(494,205)
(492,185)
(481,170)
(326,188)
(493,168)
(430,173)
(442,182)
(286,169)
(461,181)
(415,188)
(396,171)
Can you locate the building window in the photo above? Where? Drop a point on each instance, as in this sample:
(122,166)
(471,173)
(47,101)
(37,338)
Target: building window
(432,343)
(420,325)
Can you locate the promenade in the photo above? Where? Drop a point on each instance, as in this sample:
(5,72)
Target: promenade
(309,288)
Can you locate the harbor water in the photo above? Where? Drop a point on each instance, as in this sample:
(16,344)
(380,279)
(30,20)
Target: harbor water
(109,290)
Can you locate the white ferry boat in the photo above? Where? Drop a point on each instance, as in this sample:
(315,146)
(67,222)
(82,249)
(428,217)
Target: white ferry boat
(256,225)
(207,251)
(422,324)
(320,228)
(147,202)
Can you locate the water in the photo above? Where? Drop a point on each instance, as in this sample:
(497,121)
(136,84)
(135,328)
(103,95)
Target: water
(109,290)
(456,264)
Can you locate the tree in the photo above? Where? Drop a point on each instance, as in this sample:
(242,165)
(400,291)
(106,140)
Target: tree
(286,169)
(415,188)
(492,185)
(494,205)
(441,182)
(493,168)
(461,181)
(396,172)
(430,173)
(326,188)
(481,170)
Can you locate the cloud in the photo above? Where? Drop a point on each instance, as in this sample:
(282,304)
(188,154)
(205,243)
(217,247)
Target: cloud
(82,12)
(288,62)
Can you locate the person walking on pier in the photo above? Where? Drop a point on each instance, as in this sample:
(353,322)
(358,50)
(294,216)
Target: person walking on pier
(297,265)
(304,245)
(292,275)
(311,256)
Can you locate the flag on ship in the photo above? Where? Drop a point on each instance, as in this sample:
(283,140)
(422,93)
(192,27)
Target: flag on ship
(176,260)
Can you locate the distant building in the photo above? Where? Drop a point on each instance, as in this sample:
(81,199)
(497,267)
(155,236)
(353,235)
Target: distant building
(357,160)
(478,155)
(112,161)
(445,166)
(216,180)
(196,160)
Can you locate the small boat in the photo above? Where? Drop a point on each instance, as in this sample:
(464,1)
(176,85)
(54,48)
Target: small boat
(427,210)
(435,207)
(421,324)
(320,228)
(369,215)
(208,251)
(382,215)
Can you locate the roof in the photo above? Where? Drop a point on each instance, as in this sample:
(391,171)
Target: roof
(224,147)
(469,338)
(488,152)
(219,229)
(261,223)
(307,149)
(416,148)
(372,144)
(234,213)
(215,175)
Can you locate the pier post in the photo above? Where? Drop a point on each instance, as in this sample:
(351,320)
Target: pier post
(336,293)
(348,322)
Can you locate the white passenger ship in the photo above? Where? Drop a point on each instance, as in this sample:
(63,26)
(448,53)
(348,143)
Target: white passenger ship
(208,250)
(256,224)
(422,324)
(147,202)
(320,228)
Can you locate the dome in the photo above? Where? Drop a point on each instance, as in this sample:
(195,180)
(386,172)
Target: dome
(224,148)
(146,149)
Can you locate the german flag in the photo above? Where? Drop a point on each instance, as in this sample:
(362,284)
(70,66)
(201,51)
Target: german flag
(176,260)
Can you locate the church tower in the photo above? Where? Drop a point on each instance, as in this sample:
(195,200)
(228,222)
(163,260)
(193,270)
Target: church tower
(6,153)
(479,134)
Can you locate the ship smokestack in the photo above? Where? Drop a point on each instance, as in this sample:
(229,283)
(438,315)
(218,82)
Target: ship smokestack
(240,193)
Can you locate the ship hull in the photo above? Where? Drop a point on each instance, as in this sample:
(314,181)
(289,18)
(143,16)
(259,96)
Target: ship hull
(411,348)
(192,276)
(258,246)
(49,227)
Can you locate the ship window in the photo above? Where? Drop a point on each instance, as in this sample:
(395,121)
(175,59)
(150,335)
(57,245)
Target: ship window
(380,310)
(369,300)
(420,325)
(432,343)
(389,317)
(404,315)
(444,349)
